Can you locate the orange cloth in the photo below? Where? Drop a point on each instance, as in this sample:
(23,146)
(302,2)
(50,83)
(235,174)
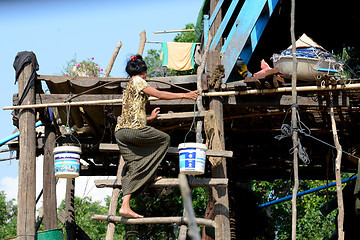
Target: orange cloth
(178,55)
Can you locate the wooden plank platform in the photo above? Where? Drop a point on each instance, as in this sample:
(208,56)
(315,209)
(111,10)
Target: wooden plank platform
(166,182)
(111,147)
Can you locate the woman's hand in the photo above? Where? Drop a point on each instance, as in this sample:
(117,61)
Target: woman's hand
(191,95)
(153,114)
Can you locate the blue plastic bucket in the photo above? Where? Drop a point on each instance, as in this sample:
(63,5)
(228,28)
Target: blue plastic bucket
(67,161)
(192,158)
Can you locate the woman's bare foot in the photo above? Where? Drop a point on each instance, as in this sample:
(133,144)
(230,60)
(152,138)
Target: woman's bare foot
(128,213)
(158,178)
(125,209)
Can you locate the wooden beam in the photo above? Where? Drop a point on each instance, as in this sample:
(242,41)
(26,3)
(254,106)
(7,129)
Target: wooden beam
(111,147)
(166,182)
(153,220)
(27,162)
(180,115)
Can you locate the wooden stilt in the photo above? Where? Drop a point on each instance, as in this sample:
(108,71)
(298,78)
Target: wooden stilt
(49,181)
(220,193)
(27,162)
(294,124)
(114,202)
(70,224)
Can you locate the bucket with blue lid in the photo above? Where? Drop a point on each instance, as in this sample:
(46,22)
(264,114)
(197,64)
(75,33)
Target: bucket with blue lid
(192,158)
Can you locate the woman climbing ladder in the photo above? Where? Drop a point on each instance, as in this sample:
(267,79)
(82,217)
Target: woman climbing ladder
(142,147)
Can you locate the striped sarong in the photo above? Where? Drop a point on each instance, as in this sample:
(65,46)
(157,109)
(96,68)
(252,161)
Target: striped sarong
(142,150)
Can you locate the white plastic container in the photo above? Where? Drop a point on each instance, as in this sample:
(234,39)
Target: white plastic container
(67,161)
(192,158)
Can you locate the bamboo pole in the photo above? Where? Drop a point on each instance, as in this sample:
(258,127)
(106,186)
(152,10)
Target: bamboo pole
(208,94)
(174,31)
(114,201)
(154,220)
(187,201)
(338,175)
(284,90)
(294,123)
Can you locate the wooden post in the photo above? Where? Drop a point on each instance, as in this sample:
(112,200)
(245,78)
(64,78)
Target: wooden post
(220,193)
(114,201)
(70,224)
(27,162)
(112,60)
(49,181)
(142,42)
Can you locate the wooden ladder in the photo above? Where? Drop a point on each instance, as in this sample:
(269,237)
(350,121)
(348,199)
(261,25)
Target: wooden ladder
(169,182)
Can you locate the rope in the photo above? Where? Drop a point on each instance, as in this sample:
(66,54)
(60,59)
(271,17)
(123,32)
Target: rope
(286,131)
(192,124)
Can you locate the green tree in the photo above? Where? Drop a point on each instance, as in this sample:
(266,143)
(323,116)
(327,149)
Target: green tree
(154,64)
(311,224)
(84,209)
(8,217)
(186,36)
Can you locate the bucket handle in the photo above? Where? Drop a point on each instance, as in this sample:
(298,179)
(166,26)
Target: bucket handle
(71,136)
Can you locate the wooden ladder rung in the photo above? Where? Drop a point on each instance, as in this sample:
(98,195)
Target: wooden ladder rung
(180,115)
(111,147)
(166,182)
(152,220)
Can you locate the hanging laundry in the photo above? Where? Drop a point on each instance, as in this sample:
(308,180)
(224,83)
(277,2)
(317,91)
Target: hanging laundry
(177,55)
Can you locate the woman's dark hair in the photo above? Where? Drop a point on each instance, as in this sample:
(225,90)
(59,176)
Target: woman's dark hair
(136,65)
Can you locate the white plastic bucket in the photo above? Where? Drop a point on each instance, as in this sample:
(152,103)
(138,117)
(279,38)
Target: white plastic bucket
(67,161)
(192,158)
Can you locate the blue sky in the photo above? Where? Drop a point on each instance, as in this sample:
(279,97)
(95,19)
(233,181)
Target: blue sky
(56,31)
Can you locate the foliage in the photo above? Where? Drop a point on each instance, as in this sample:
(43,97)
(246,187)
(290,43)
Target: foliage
(186,36)
(85,68)
(8,217)
(311,224)
(154,64)
(350,57)
(84,209)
